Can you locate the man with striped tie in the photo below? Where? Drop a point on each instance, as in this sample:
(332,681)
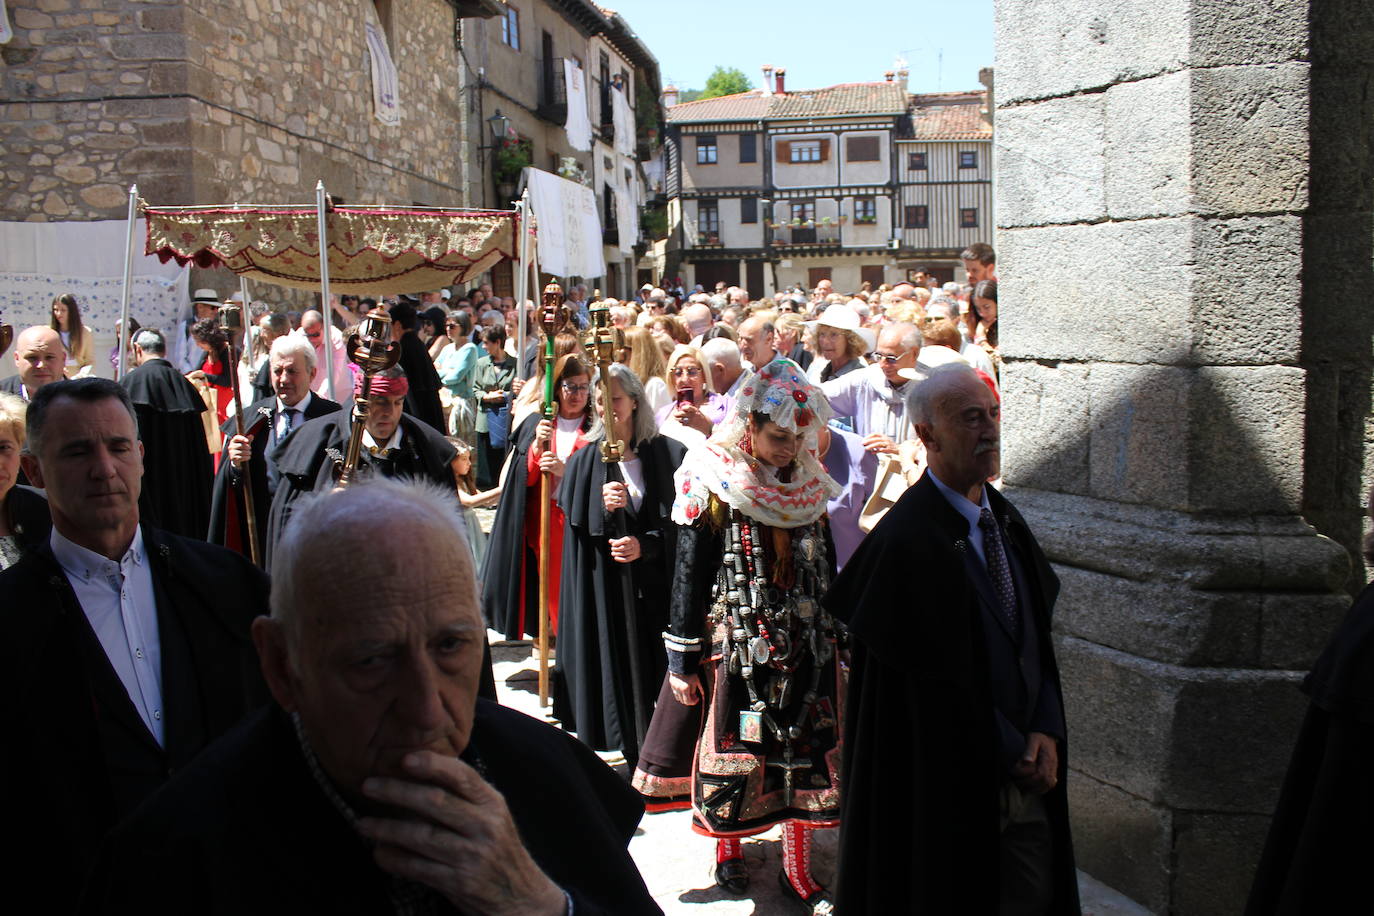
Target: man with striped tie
(268,423)
(955,743)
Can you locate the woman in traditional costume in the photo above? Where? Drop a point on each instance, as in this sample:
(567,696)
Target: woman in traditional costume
(605,569)
(510,572)
(747,636)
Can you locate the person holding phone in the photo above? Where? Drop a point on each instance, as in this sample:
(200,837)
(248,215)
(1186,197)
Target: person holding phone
(696,408)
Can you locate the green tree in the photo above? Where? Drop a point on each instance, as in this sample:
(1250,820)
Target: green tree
(725,81)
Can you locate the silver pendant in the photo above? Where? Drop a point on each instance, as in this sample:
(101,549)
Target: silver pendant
(759,649)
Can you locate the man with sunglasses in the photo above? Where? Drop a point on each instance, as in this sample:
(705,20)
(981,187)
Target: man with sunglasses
(874,396)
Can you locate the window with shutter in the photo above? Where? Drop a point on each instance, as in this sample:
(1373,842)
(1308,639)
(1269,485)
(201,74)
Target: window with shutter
(706,149)
(861,149)
(749,210)
(916,216)
(782,150)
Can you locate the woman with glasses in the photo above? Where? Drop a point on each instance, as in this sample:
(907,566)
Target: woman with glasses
(696,408)
(511,602)
(610,573)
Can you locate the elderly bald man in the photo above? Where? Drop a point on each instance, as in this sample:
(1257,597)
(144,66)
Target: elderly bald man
(875,395)
(38,359)
(314,330)
(378,782)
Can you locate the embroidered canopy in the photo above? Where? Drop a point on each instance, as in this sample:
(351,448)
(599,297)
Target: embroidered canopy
(371,249)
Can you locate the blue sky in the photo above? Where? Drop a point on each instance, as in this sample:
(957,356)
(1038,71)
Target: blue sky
(944,42)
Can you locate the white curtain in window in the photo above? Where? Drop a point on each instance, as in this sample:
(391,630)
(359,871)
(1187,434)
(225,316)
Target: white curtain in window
(624,119)
(386,101)
(578,124)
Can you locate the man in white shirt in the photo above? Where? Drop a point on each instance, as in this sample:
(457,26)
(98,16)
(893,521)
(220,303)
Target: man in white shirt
(314,329)
(875,395)
(135,642)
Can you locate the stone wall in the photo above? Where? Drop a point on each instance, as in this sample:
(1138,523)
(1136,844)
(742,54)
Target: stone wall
(1184,200)
(217,101)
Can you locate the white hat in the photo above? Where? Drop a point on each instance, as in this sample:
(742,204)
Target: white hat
(236,296)
(206,295)
(844,318)
(931,357)
(445,294)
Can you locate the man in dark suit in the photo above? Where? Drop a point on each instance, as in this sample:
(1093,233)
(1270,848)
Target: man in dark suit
(39,358)
(136,645)
(379,782)
(292,369)
(955,743)
(422,400)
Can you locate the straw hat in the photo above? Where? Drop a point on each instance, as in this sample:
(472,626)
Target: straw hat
(843,318)
(206,295)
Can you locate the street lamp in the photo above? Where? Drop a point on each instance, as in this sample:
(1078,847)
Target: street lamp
(499,124)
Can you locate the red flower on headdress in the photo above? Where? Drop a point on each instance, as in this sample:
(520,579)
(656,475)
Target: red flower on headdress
(799,396)
(692,511)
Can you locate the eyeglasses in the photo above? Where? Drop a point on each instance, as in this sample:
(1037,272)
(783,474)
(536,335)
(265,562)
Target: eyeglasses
(575,389)
(692,372)
(450,324)
(888,358)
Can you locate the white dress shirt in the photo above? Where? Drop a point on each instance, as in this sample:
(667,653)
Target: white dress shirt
(393,443)
(969,510)
(279,433)
(118,600)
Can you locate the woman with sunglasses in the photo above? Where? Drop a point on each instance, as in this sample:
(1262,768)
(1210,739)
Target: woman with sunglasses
(696,408)
(511,602)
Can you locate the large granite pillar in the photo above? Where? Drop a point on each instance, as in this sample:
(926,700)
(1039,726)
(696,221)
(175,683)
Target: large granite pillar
(1184,246)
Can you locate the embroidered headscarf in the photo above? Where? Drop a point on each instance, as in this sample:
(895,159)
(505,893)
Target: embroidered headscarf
(722,468)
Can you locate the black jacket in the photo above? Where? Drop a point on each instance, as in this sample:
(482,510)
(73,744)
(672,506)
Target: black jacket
(422,400)
(937,696)
(13,385)
(78,757)
(227,497)
(247,829)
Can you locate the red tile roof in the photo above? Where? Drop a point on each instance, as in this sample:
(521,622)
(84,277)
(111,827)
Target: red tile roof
(742,106)
(949,116)
(844,99)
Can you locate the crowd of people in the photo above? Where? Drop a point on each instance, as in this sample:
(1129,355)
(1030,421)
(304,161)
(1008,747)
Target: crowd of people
(271,682)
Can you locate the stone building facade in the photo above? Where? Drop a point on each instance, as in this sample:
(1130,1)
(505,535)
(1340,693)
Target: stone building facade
(207,101)
(1185,200)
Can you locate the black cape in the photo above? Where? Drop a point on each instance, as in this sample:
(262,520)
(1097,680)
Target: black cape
(1322,837)
(422,398)
(593,690)
(246,829)
(228,518)
(306,462)
(177,468)
(78,757)
(501,568)
(920,811)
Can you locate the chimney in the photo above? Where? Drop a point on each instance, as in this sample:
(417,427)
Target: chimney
(767,79)
(903,77)
(670,95)
(888,76)
(781,73)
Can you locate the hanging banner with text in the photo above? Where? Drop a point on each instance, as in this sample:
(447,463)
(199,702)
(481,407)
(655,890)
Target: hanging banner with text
(569,227)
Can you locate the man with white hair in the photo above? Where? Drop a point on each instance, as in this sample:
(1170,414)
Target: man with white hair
(977,711)
(267,424)
(314,329)
(724,366)
(875,395)
(757,336)
(379,781)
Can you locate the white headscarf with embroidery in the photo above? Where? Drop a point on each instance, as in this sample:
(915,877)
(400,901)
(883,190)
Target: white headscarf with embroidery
(721,467)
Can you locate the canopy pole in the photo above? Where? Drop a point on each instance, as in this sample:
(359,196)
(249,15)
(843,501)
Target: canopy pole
(325,308)
(522,281)
(250,327)
(125,293)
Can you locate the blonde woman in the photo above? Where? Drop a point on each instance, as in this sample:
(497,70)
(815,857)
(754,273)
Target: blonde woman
(645,358)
